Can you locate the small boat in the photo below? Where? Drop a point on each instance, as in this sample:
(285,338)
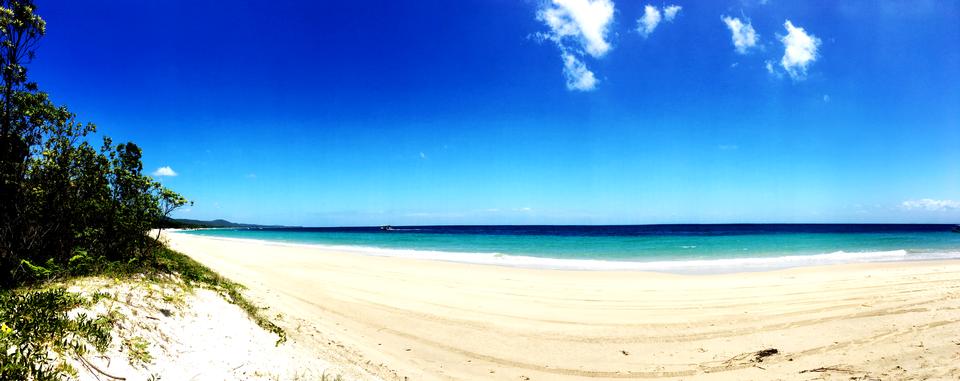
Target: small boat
(386,227)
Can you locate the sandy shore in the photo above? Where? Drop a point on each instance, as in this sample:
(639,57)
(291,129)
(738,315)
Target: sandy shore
(428,320)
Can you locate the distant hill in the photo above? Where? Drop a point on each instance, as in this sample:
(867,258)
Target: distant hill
(184,223)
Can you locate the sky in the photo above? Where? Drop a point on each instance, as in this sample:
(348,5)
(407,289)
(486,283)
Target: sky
(335,113)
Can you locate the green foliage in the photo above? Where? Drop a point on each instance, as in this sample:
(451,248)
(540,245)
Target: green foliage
(35,325)
(138,351)
(35,271)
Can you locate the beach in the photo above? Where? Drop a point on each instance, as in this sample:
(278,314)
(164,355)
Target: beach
(412,319)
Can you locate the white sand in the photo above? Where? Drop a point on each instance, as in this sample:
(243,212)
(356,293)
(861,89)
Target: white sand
(190,335)
(402,318)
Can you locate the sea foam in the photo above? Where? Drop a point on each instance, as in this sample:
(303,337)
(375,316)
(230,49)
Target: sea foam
(680,266)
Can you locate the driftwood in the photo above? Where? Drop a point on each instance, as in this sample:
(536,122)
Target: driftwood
(759,355)
(826,369)
(94,367)
(748,358)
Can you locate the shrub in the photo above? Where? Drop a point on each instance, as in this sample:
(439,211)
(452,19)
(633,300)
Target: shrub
(36,332)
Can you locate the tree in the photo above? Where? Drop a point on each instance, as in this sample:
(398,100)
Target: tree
(61,198)
(20,30)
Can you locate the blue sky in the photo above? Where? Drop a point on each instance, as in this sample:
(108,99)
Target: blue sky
(516,112)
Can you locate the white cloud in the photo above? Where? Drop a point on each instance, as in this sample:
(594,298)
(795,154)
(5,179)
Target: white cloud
(579,28)
(652,17)
(164,171)
(931,204)
(670,12)
(728,147)
(648,22)
(800,50)
(585,21)
(423,155)
(826,98)
(578,76)
(772,69)
(743,35)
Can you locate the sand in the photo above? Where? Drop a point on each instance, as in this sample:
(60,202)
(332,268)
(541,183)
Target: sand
(185,333)
(400,318)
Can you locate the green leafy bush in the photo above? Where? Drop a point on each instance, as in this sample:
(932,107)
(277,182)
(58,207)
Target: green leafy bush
(36,333)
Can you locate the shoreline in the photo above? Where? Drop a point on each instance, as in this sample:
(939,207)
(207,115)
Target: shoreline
(722,265)
(422,319)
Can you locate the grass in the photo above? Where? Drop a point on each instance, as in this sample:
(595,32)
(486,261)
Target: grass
(166,262)
(194,273)
(138,350)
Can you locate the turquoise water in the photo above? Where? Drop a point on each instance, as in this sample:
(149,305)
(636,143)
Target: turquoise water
(681,248)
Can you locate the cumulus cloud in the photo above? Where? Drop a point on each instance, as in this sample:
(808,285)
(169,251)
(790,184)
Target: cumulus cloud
(670,12)
(577,74)
(931,204)
(743,35)
(652,17)
(800,50)
(585,22)
(579,28)
(649,21)
(164,172)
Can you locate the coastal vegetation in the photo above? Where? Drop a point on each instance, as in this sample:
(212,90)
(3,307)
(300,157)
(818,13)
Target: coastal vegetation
(70,206)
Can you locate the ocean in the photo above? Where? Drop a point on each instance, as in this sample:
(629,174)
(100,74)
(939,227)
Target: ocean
(712,248)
